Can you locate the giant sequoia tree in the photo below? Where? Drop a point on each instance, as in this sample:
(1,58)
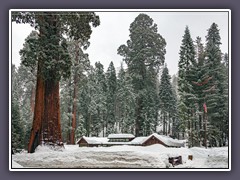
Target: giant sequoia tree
(53,62)
(144,52)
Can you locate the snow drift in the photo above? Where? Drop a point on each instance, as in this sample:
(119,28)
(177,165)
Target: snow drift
(154,156)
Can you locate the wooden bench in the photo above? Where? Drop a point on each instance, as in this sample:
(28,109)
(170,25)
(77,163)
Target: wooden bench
(175,160)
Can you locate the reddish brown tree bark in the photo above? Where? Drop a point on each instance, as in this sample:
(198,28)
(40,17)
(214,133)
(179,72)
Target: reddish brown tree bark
(32,99)
(51,127)
(46,128)
(35,134)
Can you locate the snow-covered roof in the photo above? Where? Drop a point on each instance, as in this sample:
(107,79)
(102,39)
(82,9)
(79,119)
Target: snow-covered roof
(116,136)
(94,140)
(102,141)
(167,140)
(118,143)
(139,140)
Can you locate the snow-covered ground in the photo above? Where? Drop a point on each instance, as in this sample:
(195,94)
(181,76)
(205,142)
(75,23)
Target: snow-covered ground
(154,156)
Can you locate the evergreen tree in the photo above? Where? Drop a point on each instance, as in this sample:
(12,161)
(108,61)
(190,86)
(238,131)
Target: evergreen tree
(175,86)
(87,104)
(27,82)
(150,102)
(144,51)
(81,64)
(17,134)
(186,66)
(225,123)
(216,97)
(17,128)
(167,100)
(125,102)
(174,110)
(100,99)
(198,87)
(225,60)
(66,99)
(53,63)
(16,92)
(94,101)
(80,131)
(23,89)
(111,80)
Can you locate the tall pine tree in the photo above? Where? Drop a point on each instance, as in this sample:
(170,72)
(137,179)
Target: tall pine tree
(186,64)
(111,80)
(81,64)
(167,101)
(17,136)
(144,51)
(98,100)
(216,97)
(125,102)
(27,81)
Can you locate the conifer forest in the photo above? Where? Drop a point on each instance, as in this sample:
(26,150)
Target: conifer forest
(58,96)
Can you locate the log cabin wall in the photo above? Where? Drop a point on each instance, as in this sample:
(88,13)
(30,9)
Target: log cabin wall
(153,140)
(83,143)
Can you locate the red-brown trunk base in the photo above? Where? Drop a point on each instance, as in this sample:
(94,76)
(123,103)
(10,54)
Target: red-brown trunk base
(51,128)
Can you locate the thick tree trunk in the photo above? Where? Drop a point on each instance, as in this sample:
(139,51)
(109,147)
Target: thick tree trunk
(51,122)
(46,128)
(51,125)
(35,134)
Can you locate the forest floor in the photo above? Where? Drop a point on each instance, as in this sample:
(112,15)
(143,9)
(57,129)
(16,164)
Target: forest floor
(120,157)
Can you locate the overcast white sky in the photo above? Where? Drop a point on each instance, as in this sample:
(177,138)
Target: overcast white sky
(114,31)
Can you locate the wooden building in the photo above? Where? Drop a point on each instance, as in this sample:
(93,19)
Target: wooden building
(91,141)
(164,140)
(129,139)
(120,137)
